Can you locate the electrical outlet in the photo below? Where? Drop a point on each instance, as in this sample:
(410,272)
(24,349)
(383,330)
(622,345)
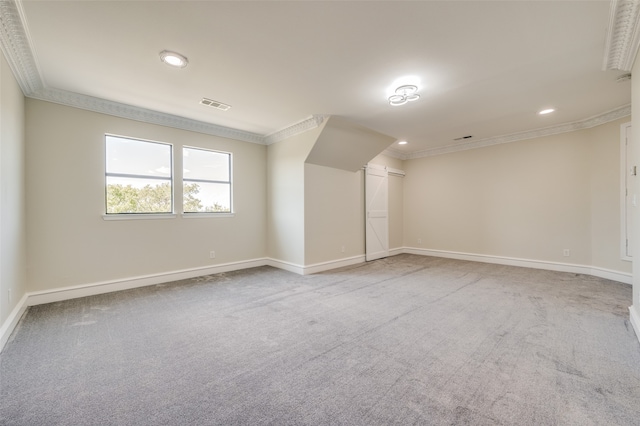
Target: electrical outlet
(566,252)
(9,295)
(419,240)
(342,249)
(212,254)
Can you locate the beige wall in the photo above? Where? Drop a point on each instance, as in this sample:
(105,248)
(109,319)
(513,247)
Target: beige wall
(605,197)
(333,214)
(396,200)
(635,185)
(527,200)
(285,183)
(12,193)
(68,241)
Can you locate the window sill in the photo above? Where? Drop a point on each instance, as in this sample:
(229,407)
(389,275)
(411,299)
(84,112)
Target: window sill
(205,215)
(138,216)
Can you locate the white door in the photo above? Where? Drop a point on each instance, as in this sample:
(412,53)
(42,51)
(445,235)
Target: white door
(629,171)
(376,191)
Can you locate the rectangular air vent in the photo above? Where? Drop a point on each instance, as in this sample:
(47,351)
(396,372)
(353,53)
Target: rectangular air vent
(215,104)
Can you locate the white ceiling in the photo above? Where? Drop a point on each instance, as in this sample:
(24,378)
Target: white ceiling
(485,67)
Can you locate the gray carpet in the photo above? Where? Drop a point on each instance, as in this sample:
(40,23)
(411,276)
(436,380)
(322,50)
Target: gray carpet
(404,340)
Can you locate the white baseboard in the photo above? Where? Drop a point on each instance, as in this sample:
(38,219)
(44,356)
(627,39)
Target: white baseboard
(634,319)
(622,277)
(316,267)
(396,251)
(287,266)
(333,264)
(74,292)
(65,293)
(12,321)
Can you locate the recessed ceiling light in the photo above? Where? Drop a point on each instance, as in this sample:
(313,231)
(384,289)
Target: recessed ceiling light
(546,111)
(174,59)
(403,143)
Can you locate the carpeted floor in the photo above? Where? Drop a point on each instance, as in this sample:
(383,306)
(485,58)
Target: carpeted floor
(404,340)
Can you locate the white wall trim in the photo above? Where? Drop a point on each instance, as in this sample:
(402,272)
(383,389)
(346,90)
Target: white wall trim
(295,129)
(624,188)
(396,251)
(622,277)
(287,266)
(394,153)
(316,267)
(332,264)
(623,38)
(622,43)
(144,115)
(587,123)
(12,321)
(17,47)
(73,292)
(634,319)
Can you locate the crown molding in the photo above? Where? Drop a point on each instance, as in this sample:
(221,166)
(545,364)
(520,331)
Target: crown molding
(394,153)
(623,35)
(117,109)
(295,129)
(16,46)
(532,134)
(623,40)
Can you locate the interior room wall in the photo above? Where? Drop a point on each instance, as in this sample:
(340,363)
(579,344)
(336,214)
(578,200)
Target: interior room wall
(286,195)
(68,241)
(12,195)
(606,197)
(635,189)
(396,200)
(528,200)
(334,214)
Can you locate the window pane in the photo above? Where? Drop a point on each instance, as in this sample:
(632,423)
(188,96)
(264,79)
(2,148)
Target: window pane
(132,195)
(206,165)
(134,157)
(207,197)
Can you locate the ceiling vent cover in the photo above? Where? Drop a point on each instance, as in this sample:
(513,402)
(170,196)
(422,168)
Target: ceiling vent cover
(215,104)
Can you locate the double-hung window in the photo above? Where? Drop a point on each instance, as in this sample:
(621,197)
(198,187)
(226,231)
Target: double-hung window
(206,181)
(138,176)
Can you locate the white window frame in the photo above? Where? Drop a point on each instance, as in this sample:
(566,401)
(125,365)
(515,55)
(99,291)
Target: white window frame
(145,215)
(194,215)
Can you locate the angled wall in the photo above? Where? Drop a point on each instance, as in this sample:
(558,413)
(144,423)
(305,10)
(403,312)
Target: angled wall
(286,198)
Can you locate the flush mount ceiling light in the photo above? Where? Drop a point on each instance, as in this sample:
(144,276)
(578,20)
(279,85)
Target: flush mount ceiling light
(404,94)
(546,111)
(174,59)
(403,143)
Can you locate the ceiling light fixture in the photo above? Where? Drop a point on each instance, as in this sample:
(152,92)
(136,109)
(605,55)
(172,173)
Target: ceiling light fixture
(403,143)
(546,111)
(404,94)
(174,59)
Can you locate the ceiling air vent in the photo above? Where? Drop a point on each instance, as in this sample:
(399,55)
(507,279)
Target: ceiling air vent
(463,137)
(215,104)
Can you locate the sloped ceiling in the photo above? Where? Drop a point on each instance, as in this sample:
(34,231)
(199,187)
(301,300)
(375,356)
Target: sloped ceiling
(347,146)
